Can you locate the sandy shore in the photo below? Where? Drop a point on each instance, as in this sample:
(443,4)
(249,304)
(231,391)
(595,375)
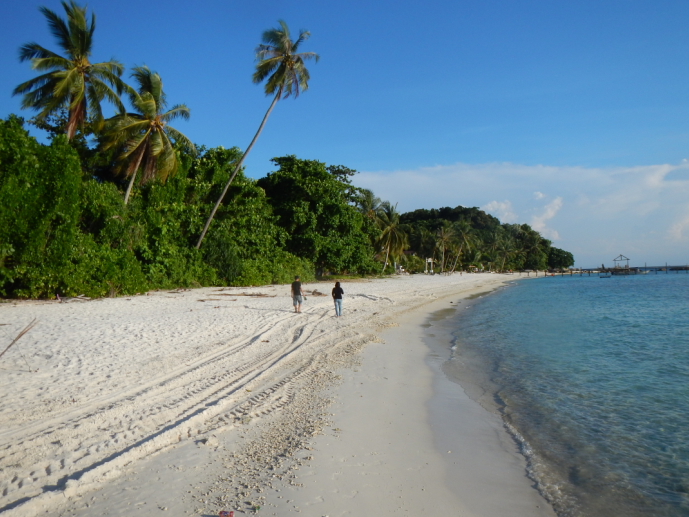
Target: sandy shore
(201,400)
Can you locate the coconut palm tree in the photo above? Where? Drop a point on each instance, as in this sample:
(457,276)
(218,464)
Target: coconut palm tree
(476,258)
(505,249)
(393,237)
(532,245)
(424,242)
(464,235)
(368,204)
(444,237)
(144,137)
(283,67)
(70,82)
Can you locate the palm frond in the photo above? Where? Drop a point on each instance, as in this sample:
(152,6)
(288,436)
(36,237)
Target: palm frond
(177,111)
(146,105)
(95,94)
(36,82)
(180,138)
(112,70)
(39,97)
(167,161)
(136,154)
(105,92)
(34,50)
(303,36)
(276,37)
(136,144)
(58,28)
(149,82)
(79,30)
(50,63)
(307,55)
(71,83)
(265,68)
(156,142)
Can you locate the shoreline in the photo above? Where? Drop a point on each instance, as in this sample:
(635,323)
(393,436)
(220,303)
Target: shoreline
(247,434)
(461,415)
(411,441)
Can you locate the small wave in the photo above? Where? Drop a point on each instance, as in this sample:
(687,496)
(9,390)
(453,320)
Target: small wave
(545,481)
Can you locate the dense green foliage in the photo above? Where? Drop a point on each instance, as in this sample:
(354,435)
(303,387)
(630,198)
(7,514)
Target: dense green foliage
(472,238)
(67,233)
(313,206)
(64,231)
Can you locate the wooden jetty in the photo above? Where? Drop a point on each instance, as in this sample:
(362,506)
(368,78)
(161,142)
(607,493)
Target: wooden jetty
(621,268)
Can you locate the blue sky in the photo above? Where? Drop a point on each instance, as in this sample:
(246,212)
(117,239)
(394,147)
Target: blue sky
(570,116)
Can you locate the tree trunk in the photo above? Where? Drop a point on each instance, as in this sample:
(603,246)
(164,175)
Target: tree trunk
(457,258)
(387,253)
(236,169)
(131,181)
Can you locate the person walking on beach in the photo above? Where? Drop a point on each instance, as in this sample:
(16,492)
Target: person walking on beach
(337,297)
(297,294)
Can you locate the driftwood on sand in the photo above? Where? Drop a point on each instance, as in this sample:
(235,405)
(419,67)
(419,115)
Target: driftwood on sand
(31,325)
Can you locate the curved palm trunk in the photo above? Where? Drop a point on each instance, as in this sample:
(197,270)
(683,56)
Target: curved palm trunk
(76,115)
(131,181)
(457,258)
(387,254)
(236,169)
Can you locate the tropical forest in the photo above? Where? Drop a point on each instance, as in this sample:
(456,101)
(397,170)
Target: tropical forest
(122,205)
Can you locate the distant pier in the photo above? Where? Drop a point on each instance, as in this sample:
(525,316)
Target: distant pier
(619,271)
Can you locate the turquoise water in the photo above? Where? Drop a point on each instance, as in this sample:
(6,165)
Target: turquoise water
(592,378)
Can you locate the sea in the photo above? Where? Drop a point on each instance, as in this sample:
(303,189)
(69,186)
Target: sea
(591,378)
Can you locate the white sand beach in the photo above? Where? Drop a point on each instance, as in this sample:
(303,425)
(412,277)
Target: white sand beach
(196,401)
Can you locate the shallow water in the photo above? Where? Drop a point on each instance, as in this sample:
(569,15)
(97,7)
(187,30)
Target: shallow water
(592,377)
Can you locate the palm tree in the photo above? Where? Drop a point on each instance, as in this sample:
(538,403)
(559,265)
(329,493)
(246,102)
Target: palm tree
(368,204)
(444,236)
(145,136)
(393,238)
(72,82)
(505,248)
(491,244)
(464,234)
(424,242)
(532,247)
(279,62)
(476,259)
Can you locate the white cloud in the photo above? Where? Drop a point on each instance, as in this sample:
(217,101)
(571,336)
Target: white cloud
(676,231)
(596,213)
(502,210)
(549,211)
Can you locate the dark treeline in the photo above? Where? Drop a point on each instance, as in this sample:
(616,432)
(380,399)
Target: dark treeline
(127,204)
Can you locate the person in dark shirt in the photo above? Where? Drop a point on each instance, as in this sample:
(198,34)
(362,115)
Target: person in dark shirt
(337,297)
(297,294)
